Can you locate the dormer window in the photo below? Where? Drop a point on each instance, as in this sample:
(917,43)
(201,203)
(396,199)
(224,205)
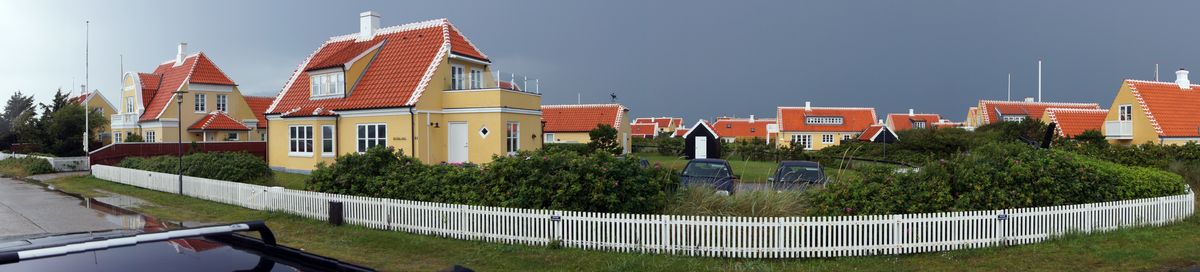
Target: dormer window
(328,85)
(823,120)
(918,124)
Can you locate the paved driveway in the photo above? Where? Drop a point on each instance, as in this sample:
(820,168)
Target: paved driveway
(27,209)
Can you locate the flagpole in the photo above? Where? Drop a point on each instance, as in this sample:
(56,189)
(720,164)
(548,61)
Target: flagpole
(86,71)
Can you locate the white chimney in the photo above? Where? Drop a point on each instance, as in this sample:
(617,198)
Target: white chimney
(368,23)
(1029,99)
(751,118)
(910,112)
(179,56)
(1182,80)
(807,105)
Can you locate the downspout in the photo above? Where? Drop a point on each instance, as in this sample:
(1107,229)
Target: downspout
(427,129)
(412,131)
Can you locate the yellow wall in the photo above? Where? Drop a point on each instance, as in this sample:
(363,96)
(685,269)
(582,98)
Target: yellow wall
(237,108)
(278,145)
(785,138)
(572,137)
(1143,131)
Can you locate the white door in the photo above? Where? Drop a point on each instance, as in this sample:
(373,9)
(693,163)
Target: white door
(701,148)
(457,143)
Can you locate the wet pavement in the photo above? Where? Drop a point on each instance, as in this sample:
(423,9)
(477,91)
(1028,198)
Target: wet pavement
(28,209)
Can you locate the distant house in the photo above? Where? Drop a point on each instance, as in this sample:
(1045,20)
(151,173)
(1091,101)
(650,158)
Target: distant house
(679,132)
(949,124)
(571,123)
(992,111)
(901,122)
(97,103)
(665,124)
(878,133)
(818,127)
(1072,122)
(643,130)
(742,129)
(1155,112)
(702,142)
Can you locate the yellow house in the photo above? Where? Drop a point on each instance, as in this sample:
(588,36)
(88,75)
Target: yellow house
(665,124)
(819,127)
(1154,112)
(213,108)
(421,87)
(571,123)
(96,102)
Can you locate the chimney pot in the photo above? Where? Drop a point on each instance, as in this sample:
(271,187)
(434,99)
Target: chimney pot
(910,112)
(751,118)
(1029,99)
(180,54)
(368,23)
(807,105)
(1181,78)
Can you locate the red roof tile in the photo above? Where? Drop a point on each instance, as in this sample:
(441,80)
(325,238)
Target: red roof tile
(196,68)
(459,44)
(581,118)
(1172,111)
(742,127)
(1032,110)
(258,105)
(150,84)
(853,119)
(662,121)
(643,129)
(1072,122)
(395,78)
(903,121)
(869,133)
(679,132)
(217,120)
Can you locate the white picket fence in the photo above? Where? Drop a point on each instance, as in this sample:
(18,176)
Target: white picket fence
(716,236)
(60,164)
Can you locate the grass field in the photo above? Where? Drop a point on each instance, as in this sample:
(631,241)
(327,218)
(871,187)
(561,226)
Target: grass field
(288,180)
(1163,248)
(750,171)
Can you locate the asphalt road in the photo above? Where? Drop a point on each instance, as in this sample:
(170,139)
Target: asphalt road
(27,209)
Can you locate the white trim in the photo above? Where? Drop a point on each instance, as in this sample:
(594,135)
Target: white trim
(333,141)
(464,37)
(137,94)
(698,124)
(492,110)
(306,118)
(491,90)
(433,65)
(508,136)
(358,138)
(363,54)
(197,102)
(172,100)
(456,56)
(375,112)
(548,137)
(210,87)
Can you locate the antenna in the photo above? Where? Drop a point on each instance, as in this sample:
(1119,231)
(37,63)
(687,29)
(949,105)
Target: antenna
(1039,79)
(578,98)
(1009,86)
(1156,72)
(122,69)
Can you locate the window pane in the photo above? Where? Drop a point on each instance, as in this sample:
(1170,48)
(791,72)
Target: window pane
(362,131)
(362,145)
(382,132)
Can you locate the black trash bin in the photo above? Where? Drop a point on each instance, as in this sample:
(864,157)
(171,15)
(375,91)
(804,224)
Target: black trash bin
(335,213)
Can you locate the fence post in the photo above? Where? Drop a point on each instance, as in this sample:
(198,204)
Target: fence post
(556,223)
(896,233)
(1087,218)
(779,236)
(1162,211)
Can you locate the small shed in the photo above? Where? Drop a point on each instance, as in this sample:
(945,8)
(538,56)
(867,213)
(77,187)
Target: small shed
(879,134)
(702,142)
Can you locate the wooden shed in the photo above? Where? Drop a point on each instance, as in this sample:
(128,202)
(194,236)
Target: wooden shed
(702,142)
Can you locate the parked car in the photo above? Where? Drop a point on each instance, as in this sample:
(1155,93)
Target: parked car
(709,172)
(797,175)
(211,248)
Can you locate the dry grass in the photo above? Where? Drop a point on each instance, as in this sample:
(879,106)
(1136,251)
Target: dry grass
(705,201)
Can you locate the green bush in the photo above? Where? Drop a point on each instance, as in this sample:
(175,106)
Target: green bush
(229,166)
(572,147)
(545,179)
(993,176)
(21,167)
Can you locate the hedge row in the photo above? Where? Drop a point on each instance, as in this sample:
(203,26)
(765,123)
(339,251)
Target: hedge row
(25,166)
(230,166)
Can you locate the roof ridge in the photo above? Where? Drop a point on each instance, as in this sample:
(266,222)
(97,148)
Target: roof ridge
(394,29)
(582,105)
(200,54)
(464,36)
(826,108)
(443,51)
(1035,102)
(1075,109)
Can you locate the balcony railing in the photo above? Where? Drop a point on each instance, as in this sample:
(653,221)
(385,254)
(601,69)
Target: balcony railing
(124,120)
(1118,129)
(495,80)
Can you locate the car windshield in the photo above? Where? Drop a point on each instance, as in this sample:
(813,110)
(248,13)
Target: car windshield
(794,173)
(706,169)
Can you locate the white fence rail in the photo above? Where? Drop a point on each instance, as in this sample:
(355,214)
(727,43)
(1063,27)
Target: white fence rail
(741,237)
(61,164)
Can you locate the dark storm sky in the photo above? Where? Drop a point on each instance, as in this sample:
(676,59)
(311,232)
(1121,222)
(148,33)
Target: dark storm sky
(695,59)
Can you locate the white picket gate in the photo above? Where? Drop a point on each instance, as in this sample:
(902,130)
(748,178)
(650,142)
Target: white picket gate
(715,236)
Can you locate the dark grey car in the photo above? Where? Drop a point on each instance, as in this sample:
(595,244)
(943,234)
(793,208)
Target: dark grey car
(709,172)
(797,175)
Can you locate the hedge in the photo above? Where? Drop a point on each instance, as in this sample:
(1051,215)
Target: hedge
(230,166)
(25,166)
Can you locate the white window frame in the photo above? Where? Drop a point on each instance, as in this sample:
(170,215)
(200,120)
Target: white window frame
(263,135)
(232,139)
(363,142)
(457,82)
(827,138)
(200,106)
(327,85)
(129,104)
(824,120)
(476,78)
(117,137)
(1125,112)
(512,138)
(300,144)
(1012,118)
(918,124)
(150,136)
(328,141)
(548,137)
(803,139)
(846,136)
(223,103)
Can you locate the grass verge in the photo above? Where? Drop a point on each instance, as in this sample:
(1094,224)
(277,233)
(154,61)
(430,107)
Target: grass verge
(1161,248)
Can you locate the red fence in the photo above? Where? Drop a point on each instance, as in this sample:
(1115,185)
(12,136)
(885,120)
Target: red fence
(114,153)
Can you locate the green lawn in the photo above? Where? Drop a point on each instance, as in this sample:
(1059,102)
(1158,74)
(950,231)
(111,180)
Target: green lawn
(750,171)
(1162,248)
(288,180)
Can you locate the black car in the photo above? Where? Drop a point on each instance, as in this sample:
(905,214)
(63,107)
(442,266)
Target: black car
(211,248)
(709,172)
(797,175)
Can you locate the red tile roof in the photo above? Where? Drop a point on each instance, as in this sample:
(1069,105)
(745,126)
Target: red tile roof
(679,131)
(1032,110)
(869,133)
(903,121)
(662,121)
(80,99)
(853,119)
(258,105)
(1072,122)
(742,127)
(581,118)
(643,129)
(196,68)
(217,120)
(1173,111)
(400,72)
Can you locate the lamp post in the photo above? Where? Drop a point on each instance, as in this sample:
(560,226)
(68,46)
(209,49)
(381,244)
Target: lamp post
(179,137)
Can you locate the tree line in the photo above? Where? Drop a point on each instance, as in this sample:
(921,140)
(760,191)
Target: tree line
(57,129)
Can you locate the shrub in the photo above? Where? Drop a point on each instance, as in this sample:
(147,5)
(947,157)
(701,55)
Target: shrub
(669,146)
(22,167)
(604,138)
(572,147)
(230,166)
(993,176)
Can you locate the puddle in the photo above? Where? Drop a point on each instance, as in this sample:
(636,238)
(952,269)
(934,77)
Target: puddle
(119,200)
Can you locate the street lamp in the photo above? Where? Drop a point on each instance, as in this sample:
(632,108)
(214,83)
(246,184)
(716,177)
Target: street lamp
(179,137)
